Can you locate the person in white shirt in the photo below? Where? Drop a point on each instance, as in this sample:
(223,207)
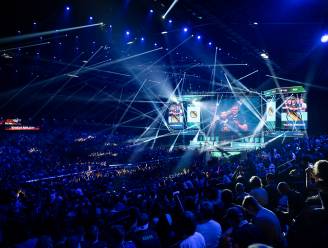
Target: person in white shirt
(192,239)
(209,228)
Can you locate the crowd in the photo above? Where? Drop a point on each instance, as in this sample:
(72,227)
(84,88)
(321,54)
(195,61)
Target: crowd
(276,196)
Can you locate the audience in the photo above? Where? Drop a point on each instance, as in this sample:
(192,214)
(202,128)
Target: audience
(66,188)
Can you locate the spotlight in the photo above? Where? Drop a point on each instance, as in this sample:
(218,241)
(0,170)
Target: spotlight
(68,8)
(90,18)
(127,32)
(210,43)
(264,56)
(199,37)
(324,38)
(34,23)
(164,32)
(185,30)
(170,21)
(151,11)
(142,38)
(255,23)
(155,44)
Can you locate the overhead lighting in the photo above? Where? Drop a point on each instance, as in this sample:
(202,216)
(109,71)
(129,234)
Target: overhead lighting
(324,38)
(164,32)
(185,30)
(264,56)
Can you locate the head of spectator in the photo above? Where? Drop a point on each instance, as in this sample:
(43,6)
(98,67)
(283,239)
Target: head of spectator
(251,205)
(320,173)
(239,188)
(283,188)
(255,182)
(235,216)
(270,178)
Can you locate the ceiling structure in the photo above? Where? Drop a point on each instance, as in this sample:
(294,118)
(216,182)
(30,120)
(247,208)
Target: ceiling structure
(131,53)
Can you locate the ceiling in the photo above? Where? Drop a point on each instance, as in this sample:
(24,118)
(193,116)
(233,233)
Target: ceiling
(95,67)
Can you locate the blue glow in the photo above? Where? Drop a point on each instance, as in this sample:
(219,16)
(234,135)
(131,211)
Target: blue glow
(68,8)
(155,44)
(170,21)
(151,11)
(142,38)
(199,37)
(127,32)
(90,18)
(34,23)
(324,38)
(210,43)
(185,30)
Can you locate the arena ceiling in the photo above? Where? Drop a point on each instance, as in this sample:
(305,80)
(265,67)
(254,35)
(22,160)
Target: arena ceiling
(87,71)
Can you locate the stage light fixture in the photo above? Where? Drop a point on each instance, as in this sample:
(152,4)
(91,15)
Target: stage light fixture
(151,11)
(68,8)
(34,23)
(127,32)
(90,18)
(185,30)
(164,32)
(142,39)
(210,43)
(255,23)
(264,56)
(324,38)
(199,37)
(170,21)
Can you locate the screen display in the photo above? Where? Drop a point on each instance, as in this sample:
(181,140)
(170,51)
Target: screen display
(294,114)
(231,115)
(193,116)
(270,114)
(175,119)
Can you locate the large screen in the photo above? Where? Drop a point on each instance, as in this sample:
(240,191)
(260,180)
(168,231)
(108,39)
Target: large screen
(294,114)
(234,115)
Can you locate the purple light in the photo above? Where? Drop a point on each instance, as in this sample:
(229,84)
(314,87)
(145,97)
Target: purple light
(185,30)
(324,38)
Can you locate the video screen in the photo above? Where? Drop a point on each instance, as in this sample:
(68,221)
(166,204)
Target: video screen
(294,114)
(231,115)
(228,115)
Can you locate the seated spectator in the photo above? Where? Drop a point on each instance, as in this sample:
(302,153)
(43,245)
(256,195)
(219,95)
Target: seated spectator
(265,220)
(271,188)
(144,236)
(192,239)
(242,232)
(209,228)
(257,191)
(240,193)
(295,201)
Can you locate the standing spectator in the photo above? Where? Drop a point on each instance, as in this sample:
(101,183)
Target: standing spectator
(192,238)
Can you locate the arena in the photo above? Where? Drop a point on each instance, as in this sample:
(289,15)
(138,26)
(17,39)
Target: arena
(164,123)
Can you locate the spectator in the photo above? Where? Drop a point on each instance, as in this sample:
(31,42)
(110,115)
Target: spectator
(257,191)
(209,228)
(265,220)
(192,238)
